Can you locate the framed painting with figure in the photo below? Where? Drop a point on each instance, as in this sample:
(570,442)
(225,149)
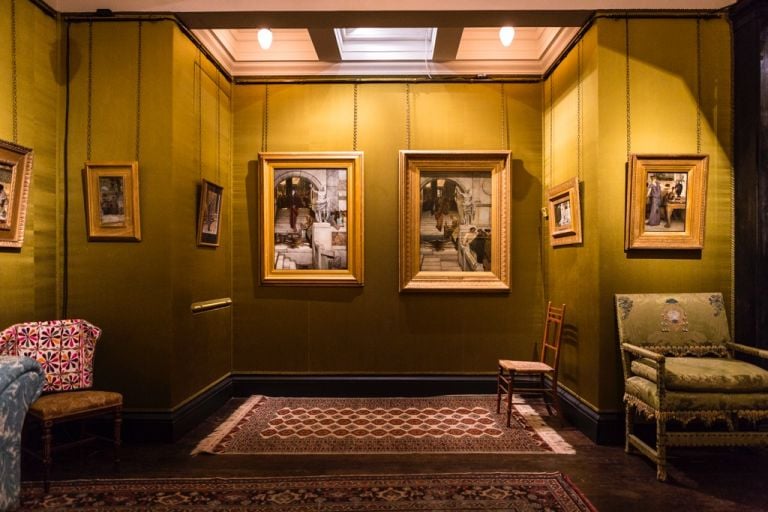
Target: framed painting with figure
(209,214)
(311,218)
(564,214)
(15,176)
(454,221)
(112,201)
(666,201)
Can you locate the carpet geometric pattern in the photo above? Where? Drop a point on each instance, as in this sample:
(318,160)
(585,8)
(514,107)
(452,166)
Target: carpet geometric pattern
(489,491)
(443,424)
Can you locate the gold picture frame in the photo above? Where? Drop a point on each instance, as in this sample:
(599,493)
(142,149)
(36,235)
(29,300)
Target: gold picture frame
(455,221)
(209,214)
(666,201)
(311,217)
(112,201)
(15,176)
(564,213)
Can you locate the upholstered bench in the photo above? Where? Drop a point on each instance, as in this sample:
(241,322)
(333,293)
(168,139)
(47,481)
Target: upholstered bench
(678,365)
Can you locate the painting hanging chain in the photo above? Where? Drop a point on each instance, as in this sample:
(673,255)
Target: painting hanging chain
(14,80)
(408,116)
(579,114)
(354,119)
(627,84)
(551,127)
(138,91)
(698,86)
(265,123)
(90,93)
(200,112)
(504,123)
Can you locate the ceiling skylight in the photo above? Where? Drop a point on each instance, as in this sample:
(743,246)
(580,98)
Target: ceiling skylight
(386,43)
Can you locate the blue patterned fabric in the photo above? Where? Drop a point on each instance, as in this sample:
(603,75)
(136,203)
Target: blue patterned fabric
(21,382)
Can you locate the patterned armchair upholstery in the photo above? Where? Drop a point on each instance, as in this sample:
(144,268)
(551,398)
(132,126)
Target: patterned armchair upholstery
(678,364)
(21,381)
(64,349)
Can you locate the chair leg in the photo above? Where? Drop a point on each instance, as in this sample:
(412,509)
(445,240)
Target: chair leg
(118,441)
(629,427)
(556,399)
(661,449)
(498,390)
(510,391)
(47,458)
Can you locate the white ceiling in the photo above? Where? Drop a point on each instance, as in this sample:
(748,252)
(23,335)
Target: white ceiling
(464,40)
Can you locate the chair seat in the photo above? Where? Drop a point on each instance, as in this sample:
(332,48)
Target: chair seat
(74,403)
(647,392)
(524,366)
(706,374)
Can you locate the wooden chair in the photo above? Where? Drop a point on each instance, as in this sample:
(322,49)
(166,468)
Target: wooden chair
(549,358)
(64,349)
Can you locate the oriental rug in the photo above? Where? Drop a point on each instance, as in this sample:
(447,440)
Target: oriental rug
(442,424)
(484,491)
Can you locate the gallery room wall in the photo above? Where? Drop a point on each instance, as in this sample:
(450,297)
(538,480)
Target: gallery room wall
(32,114)
(586,134)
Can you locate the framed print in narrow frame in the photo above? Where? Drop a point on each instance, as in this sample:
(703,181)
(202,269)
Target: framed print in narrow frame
(455,221)
(666,202)
(112,201)
(311,218)
(15,176)
(209,214)
(564,213)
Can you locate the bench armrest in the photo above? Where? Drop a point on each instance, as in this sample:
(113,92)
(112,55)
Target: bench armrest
(738,347)
(642,352)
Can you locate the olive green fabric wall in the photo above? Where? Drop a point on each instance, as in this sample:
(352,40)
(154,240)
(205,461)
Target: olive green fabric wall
(375,329)
(663,103)
(153,349)
(31,276)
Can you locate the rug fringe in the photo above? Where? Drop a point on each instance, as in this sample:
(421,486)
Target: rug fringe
(211,440)
(534,419)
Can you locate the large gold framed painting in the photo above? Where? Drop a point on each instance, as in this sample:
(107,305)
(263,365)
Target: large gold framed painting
(666,202)
(15,174)
(455,221)
(311,218)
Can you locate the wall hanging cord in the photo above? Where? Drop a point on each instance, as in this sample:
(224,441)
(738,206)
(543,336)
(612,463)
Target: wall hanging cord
(698,86)
(504,121)
(265,124)
(90,93)
(408,116)
(354,119)
(138,91)
(551,128)
(14,79)
(199,65)
(579,114)
(218,127)
(627,84)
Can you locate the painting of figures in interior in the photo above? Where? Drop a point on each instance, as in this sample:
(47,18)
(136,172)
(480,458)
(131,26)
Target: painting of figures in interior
(311,212)
(454,215)
(666,201)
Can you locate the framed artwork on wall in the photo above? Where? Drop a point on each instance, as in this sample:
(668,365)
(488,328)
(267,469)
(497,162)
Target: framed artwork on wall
(455,221)
(112,201)
(564,213)
(15,176)
(209,214)
(666,201)
(311,218)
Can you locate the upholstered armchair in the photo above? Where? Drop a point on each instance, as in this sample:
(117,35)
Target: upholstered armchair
(21,381)
(679,366)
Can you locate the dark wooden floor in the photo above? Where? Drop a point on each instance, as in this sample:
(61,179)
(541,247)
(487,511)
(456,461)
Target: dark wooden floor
(701,480)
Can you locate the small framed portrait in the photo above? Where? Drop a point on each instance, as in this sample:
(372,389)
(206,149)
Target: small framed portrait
(666,202)
(311,217)
(112,201)
(209,214)
(15,176)
(455,221)
(564,214)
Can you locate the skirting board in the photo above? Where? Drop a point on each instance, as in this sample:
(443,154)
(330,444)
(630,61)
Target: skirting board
(601,428)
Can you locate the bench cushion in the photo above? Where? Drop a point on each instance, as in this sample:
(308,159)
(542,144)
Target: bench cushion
(706,374)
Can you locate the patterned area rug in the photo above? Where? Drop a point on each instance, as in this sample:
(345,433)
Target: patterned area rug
(492,491)
(443,424)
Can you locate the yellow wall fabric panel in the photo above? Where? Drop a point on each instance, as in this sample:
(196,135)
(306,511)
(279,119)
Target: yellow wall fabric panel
(31,286)
(375,329)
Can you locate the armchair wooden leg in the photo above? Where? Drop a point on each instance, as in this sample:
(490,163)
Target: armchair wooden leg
(629,427)
(47,458)
(661,449)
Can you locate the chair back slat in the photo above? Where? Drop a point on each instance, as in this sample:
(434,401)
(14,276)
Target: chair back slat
(553,331)
(64,349)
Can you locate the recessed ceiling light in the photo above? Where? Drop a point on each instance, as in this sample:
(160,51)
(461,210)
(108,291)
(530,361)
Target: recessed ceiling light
(386,43)
(506,34)
(265,38)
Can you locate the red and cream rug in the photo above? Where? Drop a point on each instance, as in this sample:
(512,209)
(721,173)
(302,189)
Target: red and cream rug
(442,424)
(478,491)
